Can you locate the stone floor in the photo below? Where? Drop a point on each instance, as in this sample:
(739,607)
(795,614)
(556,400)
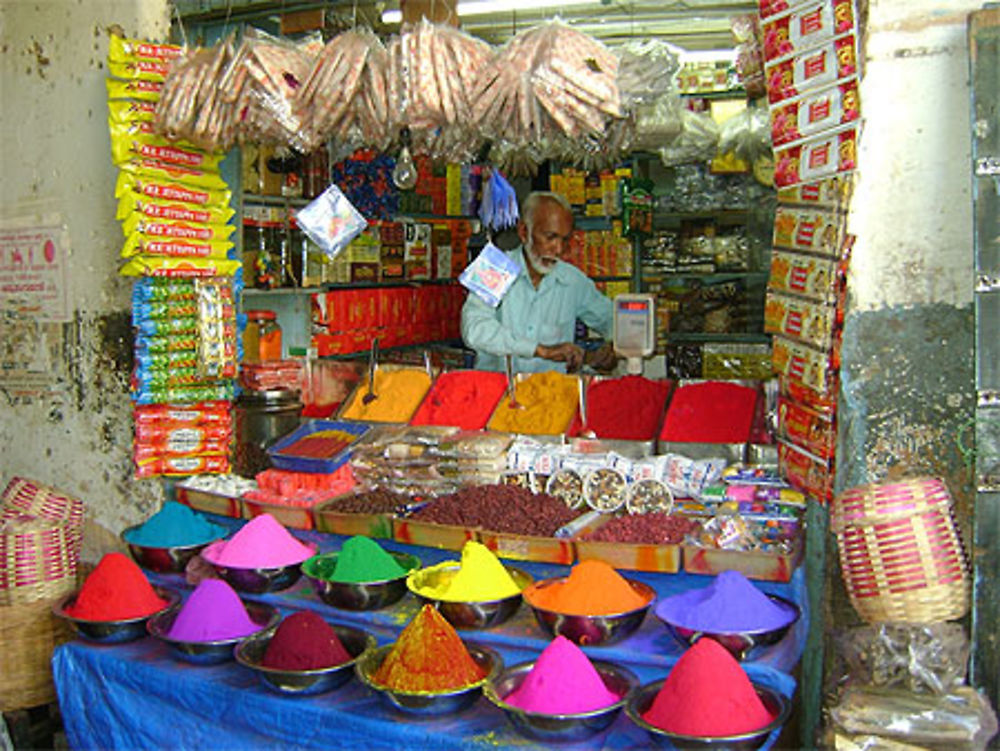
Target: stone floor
(34,729)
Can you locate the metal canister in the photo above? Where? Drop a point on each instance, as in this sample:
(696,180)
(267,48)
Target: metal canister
(262,418)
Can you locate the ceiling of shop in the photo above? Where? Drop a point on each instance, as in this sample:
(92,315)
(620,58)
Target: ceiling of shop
(690,24)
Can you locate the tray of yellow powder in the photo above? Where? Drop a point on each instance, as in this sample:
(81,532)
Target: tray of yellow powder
(475,593)
(429,669)
(398,390)
(546,404)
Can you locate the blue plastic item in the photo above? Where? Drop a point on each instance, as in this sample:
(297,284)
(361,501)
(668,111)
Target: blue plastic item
(325,465)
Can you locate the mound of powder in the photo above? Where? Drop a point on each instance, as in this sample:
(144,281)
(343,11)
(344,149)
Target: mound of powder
(116,590)
(562,681)
(707,694)
(260,543)
(480,577)
(710,412)
(463,398)
(304,641)
(361,559)
(428,656)
(174,525)
(213,612)
(592,588)
(731,603)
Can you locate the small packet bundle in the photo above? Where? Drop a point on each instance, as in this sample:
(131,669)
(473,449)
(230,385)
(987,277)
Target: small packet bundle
(331,221)
(490,275)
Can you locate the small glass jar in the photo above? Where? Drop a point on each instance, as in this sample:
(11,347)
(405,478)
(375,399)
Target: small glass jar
(262,336)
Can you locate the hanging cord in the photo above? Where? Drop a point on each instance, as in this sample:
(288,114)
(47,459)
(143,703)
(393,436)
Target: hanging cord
(180,27)
(968,453)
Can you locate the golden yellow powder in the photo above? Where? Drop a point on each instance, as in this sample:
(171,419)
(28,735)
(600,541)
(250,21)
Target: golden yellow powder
(548,402)
(398,394)
(480,577)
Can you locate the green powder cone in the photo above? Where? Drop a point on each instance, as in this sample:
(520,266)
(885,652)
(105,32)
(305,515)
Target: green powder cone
(361,559)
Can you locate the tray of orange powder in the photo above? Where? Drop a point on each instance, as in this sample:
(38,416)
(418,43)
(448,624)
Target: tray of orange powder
(317,446)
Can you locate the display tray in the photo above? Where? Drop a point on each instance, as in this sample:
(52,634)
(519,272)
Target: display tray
(444,536)
(557,435)
(211,503)
(635,449)
(627,555)
(772,567)
(529,547)
(293,517)
(378,526)
(282,456)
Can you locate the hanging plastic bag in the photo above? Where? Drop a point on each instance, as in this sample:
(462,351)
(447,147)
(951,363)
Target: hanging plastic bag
(498,209)
(490,275)
(331,221)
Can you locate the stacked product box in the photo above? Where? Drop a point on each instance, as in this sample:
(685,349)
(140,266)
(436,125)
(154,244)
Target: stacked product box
(804,312)
(346,320)
(404,249)
(175,214)
(811,70)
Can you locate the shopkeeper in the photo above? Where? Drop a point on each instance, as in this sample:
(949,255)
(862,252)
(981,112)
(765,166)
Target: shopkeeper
(536,320)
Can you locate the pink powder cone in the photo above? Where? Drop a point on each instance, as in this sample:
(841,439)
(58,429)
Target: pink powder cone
(563,681)
(260,543)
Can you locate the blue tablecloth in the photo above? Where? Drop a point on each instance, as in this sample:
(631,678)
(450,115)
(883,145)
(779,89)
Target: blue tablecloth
(136,695)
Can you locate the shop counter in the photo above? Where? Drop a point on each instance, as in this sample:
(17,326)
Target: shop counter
(137,695)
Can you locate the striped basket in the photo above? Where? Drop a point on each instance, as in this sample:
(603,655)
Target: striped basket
(29,633)
(900,552)
(41,534)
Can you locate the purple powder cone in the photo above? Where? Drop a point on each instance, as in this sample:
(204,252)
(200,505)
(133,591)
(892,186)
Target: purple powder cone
(213,612)
(730,604)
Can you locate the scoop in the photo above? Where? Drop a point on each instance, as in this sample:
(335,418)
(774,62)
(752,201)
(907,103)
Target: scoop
(370,395)
(511,401)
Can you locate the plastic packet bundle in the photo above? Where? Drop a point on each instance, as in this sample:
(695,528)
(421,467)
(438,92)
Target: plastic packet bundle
(646,70)
(657,122)
(698,140)
(747,134)
(331,221)
(490,275)
(924,658)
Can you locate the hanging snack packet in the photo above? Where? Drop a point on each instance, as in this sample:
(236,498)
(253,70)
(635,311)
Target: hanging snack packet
(331,221)
(133,204)
(139,70)
(157,170)
(140,244)
(164,266)
(130,111)
(122,50)
(147,91)
(490,275)
(131,141)
(156,187)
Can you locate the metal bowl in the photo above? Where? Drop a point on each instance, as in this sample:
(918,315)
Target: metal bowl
(111,632)
(209,652)
(250,654)
(256,581)
(561,728)
(469,615)
(591,630)
(743,645)
(357,595)
(642,699)
(165,560)
(430,703)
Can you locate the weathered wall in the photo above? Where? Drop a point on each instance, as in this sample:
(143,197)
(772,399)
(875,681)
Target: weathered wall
(907,370)
(71,427)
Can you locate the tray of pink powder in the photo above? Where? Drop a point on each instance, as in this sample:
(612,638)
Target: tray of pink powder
(261,557)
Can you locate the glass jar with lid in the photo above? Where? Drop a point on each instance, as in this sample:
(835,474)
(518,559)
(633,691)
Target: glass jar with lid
(262,336)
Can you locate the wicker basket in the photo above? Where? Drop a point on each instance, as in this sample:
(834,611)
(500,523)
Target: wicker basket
(28,635)
(900,552)
(41,534)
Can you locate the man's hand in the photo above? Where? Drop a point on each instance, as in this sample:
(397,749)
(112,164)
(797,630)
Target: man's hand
(603,359)
(566,352)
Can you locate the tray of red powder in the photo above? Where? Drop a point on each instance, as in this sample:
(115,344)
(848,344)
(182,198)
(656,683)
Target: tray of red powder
(211,503)
(628,409)
(710,418)
(317,446)
(753,564)
(622,554)
(461,398)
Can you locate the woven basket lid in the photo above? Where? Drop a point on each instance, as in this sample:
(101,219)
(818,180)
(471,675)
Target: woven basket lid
(877,503)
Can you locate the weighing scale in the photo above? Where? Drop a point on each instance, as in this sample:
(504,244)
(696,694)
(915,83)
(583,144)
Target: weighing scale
(634,329)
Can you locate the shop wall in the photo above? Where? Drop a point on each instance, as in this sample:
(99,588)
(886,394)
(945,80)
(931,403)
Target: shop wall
(907,369)
(65,415)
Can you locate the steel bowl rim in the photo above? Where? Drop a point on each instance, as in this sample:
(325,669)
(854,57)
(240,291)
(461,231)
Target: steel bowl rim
(641,587)
(621,671)
(155,630)
(651,689)
(266,635)
(380,653)
(515,572)
(170,594)
(121,536)
(794,607)
(334,554)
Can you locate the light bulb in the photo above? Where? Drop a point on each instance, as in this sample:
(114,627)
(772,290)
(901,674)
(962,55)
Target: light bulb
(404,174)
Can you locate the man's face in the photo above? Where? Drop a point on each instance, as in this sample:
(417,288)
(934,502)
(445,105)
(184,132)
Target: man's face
(547,241)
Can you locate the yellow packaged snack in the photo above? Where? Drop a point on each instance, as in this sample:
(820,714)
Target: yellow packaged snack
(140,244)
(164,266)
(133,203)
